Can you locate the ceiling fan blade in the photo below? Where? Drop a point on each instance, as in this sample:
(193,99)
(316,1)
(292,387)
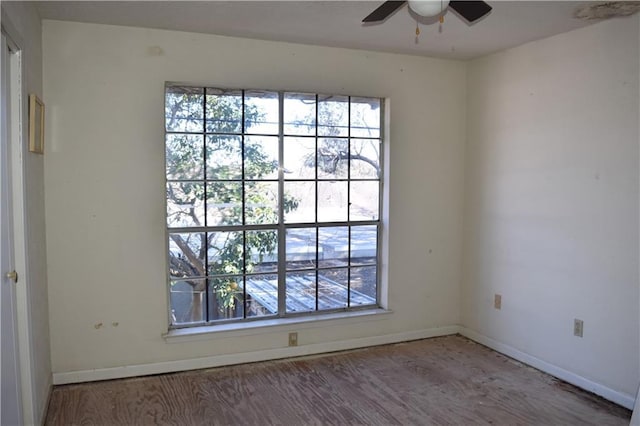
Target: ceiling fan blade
(385,10)
(470,10)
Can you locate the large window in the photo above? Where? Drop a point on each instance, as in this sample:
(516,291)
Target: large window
(273,203)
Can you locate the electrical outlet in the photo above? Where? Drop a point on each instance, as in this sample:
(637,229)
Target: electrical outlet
(578,327)
(293,339)
(497,301)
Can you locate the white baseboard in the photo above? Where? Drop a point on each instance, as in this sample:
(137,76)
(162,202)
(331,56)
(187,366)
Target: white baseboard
(619,398)
(265,355)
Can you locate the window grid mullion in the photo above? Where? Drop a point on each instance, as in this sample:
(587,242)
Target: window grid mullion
(316,199)
(244,219)
(282,234)
(207,283)
(349,204)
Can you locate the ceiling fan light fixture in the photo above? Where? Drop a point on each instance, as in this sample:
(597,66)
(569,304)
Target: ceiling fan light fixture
(428,8)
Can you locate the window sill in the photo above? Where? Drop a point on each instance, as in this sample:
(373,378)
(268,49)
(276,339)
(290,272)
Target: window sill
(258,327)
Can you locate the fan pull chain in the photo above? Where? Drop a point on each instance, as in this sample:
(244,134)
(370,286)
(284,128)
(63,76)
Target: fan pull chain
(417,29)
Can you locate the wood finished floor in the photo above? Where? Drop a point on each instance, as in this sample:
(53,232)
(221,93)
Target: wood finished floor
(445,380)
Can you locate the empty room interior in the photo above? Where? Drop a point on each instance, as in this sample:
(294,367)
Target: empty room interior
(310,212)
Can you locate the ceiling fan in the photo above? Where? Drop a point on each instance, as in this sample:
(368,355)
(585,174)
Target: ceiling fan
(469,10)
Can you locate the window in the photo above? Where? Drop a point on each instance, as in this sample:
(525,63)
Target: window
(273,203)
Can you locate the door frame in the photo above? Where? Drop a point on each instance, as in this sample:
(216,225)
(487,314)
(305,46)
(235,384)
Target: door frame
(18,140)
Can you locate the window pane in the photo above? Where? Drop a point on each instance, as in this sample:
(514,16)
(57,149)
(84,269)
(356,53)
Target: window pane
(224,111)
(301,248)
(261,112)
(332,201)
(301,291)
(186,254)
(224,203)
(333,246)
(223,169)
(365,117)
(299,158)
(332,288)
(261,250)
(226,300)
(299,114)
(262,295)
(333,156)
(300,202)
(364,244)
(226,253)
(333,115)
(184,109)
(185,204)
(187,301)
(261,203)
(364,200)
(224,157)
(365,159)
(363,285)
(184,156)
(261,157)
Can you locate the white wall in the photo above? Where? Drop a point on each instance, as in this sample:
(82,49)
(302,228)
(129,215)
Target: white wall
(104,170)
(551,206)
(23,24)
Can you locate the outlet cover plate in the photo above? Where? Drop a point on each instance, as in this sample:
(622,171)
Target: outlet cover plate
(293,339)
(578,327)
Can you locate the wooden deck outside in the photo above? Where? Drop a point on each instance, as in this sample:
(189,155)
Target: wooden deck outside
(301,294)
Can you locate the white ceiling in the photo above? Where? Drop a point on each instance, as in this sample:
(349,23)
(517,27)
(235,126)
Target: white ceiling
(335,23)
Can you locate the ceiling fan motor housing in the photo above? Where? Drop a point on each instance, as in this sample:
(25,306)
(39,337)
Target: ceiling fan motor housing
(428,8)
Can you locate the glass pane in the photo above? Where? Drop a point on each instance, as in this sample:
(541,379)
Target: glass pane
(184,156)
(299,114)
(300,202)
(224,203)
(332,201)
(224,111)
(183,109)
(262,295)
(261,251)
(333,246)
(364,200)
(301,248)
(226,300)
(364,245)
(261,157)
(299,158)
(186,254)
(224,157)
(261,112)
(332,288)
(261,203)
(185,204)
(333,156)
(363,286)
(187,301)
(333,115)
(301,291)
(226,253)
(365,117)
(365,159)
